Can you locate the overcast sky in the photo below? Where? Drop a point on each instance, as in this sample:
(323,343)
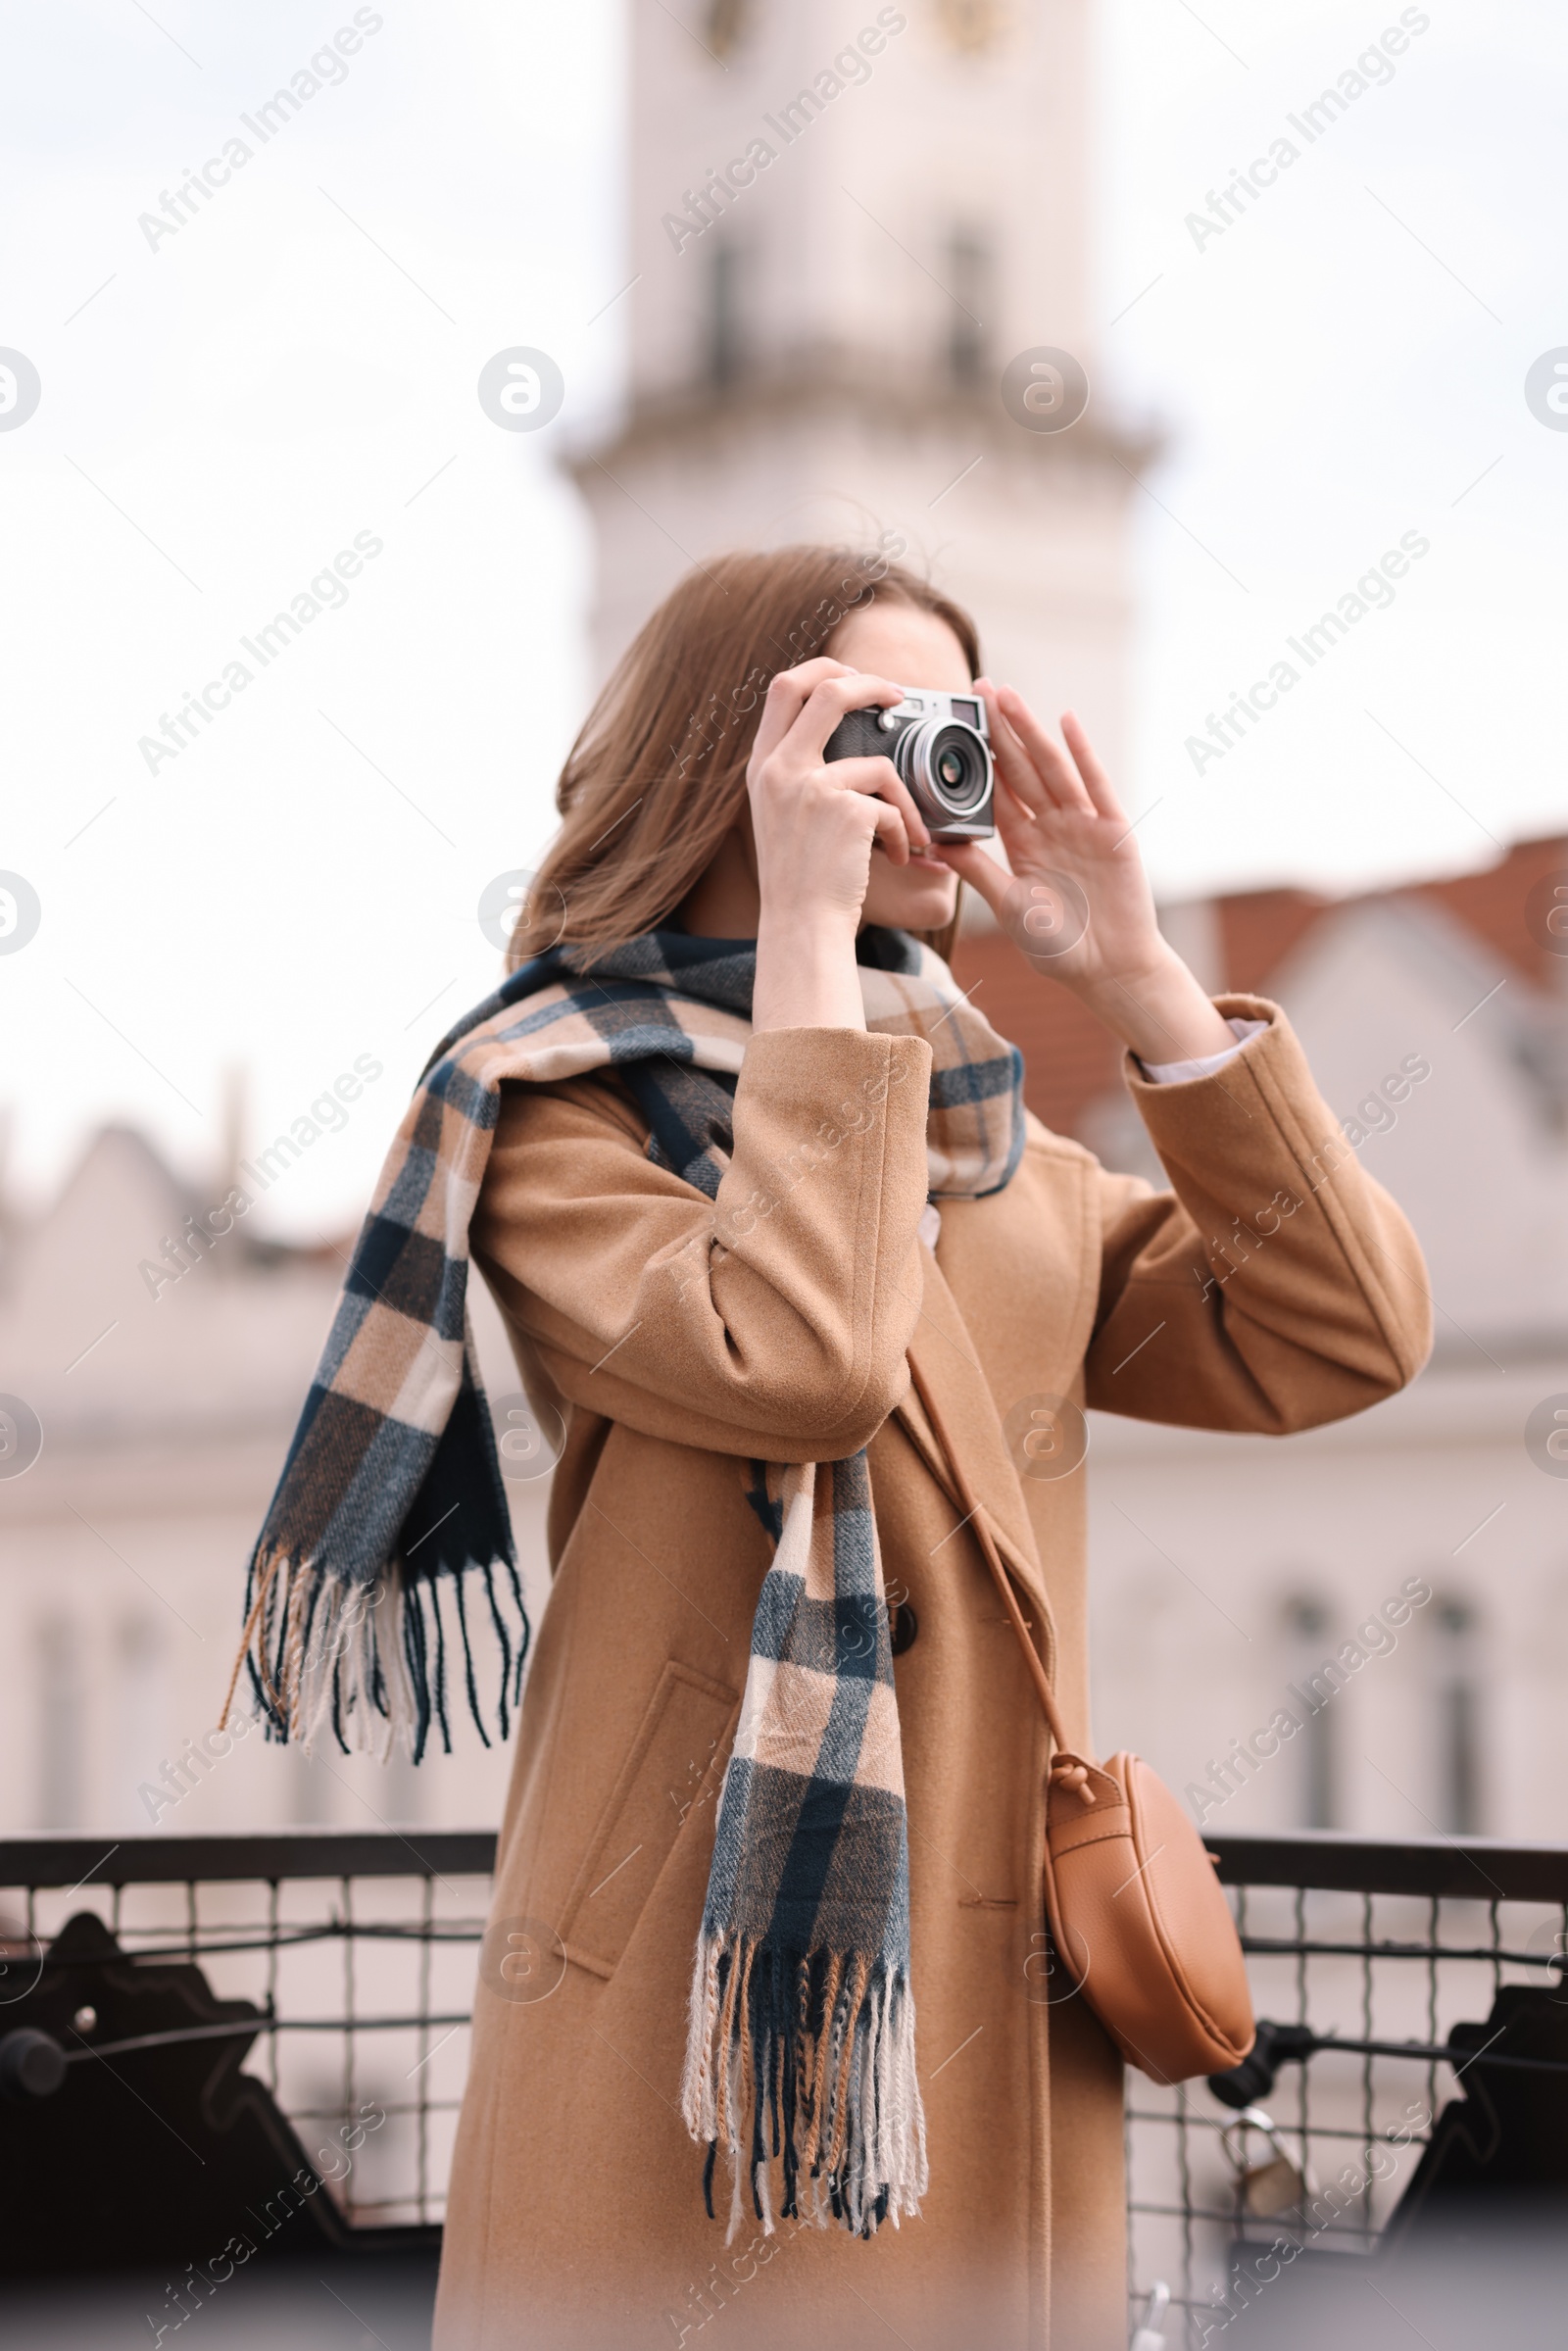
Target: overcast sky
(290,377)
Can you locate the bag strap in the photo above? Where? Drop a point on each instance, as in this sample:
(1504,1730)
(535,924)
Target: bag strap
(1003,1582)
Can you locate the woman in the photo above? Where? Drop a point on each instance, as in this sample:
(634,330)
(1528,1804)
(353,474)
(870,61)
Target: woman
(772,1234)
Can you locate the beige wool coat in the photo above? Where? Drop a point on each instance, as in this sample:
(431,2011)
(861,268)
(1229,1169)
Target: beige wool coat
(576,2213)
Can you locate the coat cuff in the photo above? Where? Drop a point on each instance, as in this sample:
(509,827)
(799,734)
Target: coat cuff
(1173,1073)
(1250,1018)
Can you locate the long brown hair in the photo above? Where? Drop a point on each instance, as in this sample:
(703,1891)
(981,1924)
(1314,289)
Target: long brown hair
(657,776)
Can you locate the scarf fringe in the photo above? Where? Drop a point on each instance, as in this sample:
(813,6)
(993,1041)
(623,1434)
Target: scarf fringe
(806,2061)
(367,1663)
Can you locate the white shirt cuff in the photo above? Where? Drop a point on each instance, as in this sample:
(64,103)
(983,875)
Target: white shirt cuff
(1170,1073)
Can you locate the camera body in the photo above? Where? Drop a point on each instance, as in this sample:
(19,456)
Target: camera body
(941,746)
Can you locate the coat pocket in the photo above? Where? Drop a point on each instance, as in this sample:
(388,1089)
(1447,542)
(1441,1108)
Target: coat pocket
(673,1770)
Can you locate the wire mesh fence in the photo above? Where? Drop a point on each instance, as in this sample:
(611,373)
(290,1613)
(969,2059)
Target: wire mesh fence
(358,1953)
(1376,1968)
(1371,1961)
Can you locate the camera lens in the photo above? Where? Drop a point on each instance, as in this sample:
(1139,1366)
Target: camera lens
(954,767)
(947,766)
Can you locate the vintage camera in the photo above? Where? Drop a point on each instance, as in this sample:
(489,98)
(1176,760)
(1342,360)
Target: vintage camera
(941,746)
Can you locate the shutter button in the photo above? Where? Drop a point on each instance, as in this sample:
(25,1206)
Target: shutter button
(903,1626)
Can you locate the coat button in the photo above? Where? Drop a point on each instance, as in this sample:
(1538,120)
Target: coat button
(903,1626)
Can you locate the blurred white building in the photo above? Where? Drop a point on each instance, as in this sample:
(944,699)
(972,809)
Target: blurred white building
(1281,1551)
(1225,1570)
(165,1406)
(838,242)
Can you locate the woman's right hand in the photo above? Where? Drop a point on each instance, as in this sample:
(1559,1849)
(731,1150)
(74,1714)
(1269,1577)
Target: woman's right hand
(814,820)
(814,823)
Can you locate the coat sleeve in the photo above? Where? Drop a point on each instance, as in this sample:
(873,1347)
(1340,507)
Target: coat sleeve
(1276,1285)
(779,1311)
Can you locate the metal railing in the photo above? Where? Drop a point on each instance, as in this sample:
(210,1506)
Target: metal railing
(1371,1958)
(358,1954)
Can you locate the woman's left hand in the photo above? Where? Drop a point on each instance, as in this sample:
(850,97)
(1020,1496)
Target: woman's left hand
(1058,819)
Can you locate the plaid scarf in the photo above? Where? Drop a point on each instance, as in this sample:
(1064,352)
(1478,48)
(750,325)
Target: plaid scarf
(391,1503)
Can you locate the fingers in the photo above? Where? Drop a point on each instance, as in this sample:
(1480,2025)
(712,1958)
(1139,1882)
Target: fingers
(1100,788)
(877,782)
(1017,766)
(829,700)
(787,695)
(1083,785)
(1032,765)
(803,708)
(805,704)
(1017,818)
(976,866)
(890,833)
(878,777)
(870,786)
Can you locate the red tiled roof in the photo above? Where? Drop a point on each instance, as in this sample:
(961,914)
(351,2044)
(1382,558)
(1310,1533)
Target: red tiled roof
(1069,1059)
(1493,903)
(1261,927)
(1257,930)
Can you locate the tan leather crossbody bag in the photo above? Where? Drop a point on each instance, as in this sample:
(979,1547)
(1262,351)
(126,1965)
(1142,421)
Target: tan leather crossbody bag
(1136,1911)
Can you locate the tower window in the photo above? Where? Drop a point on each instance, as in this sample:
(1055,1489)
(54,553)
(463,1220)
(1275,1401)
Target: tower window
(724,315)
(968,275)
(727,27)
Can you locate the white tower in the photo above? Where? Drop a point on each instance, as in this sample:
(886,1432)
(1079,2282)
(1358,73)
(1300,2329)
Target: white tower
(846,221)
